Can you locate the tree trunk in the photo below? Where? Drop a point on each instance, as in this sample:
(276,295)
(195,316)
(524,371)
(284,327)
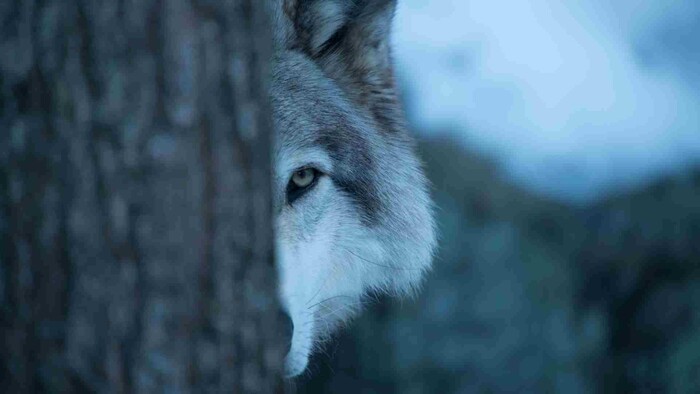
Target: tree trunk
(135,206)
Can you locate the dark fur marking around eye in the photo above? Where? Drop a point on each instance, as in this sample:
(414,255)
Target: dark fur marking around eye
(353,169)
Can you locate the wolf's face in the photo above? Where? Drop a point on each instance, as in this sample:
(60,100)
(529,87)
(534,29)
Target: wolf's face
(352,210)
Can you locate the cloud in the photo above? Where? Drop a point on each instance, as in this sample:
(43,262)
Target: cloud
(558,91)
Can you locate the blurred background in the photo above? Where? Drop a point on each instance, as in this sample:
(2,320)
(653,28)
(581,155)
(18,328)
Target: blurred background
(562,139)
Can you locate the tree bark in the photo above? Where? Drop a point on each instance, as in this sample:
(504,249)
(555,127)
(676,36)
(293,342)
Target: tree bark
(135,204)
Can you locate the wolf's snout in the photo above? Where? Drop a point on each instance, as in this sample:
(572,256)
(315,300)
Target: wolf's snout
(287,330)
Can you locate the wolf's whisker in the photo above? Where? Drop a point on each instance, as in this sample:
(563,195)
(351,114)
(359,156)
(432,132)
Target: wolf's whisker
(381,265)
(329,299)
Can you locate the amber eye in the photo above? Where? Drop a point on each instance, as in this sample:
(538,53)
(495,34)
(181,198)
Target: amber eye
(302,181)
(303,178)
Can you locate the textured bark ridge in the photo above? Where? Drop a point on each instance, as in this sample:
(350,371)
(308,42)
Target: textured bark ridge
(135,207)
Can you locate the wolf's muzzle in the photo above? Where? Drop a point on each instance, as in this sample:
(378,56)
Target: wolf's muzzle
(287,330)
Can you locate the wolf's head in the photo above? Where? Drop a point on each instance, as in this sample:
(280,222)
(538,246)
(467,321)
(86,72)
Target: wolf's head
(352,211)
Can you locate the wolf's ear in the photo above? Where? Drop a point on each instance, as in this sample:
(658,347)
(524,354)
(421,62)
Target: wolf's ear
(360,27)
(349,40)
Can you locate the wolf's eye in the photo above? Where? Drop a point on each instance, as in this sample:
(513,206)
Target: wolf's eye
(303,178)
(302,181)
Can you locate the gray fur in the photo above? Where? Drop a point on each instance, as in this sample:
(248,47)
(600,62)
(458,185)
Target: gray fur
(367,224)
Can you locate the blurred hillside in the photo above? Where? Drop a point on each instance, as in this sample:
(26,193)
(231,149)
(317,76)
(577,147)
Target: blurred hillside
(532,295)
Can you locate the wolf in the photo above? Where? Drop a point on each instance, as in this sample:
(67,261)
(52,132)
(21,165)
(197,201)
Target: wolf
(352,211)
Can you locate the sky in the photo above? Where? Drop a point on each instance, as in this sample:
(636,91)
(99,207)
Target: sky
(576,99)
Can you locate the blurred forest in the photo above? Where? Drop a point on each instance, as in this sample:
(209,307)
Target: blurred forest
(532,295)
